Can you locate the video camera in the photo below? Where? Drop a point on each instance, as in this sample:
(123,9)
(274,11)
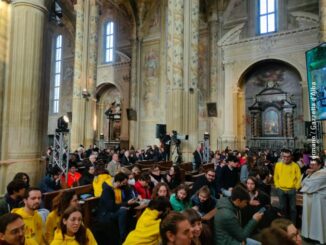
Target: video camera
(176,138)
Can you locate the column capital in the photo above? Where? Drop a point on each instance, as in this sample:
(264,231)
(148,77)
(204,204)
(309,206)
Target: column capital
(38,4)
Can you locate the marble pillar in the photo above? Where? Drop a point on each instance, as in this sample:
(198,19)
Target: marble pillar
(22,123)
(78,103)
(175,66)
(90,117)
(213,74)
(191,67)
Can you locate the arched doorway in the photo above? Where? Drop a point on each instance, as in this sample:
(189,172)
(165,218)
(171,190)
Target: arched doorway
(112,123)
(270,103)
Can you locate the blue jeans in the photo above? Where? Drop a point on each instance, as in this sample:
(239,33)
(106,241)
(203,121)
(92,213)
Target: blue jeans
(288,203)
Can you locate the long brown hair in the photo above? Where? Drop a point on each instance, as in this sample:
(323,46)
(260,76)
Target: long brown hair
(80,235)
(62,201)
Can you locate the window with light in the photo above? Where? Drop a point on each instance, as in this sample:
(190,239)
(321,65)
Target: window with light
(267,16)
(57,74)
(109,42)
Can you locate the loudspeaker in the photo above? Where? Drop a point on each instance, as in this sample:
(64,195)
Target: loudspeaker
(160,130)
(131,114)
(211,110)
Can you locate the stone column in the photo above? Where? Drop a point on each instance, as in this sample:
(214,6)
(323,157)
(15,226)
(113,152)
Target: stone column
(3,53)
(21,133)
(133,132)
(213,78)
(230,105)
(90,124)
(190,123)
(175,64)
(78,103)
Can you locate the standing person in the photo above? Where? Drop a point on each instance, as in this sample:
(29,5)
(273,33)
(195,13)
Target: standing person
(175,229)
(198,158)
(114,166)
(287,177)
(227,227)
(14,196)
(229,175)
(12,231)
(72,230)
(314,202)
(60,203)
(32,219)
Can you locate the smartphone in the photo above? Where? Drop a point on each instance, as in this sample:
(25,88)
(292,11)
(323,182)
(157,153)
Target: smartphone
(262,210)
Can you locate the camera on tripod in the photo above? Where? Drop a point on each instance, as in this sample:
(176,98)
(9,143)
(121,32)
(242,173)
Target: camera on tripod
(176,138)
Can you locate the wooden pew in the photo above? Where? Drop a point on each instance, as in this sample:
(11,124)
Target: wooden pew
(48,196)
(88,208)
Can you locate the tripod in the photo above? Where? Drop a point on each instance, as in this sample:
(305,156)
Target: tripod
(176,155)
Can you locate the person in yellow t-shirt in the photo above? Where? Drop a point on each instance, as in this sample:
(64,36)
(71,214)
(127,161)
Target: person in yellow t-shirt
(12,230)
(287,179)
(72,231)
(32,219)
(60,203)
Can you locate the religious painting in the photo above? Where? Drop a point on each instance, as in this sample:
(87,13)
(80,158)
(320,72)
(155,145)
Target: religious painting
(271,123)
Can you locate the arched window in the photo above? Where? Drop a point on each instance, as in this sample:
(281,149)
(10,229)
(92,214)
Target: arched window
(267,16)
(57,74)
(109,42)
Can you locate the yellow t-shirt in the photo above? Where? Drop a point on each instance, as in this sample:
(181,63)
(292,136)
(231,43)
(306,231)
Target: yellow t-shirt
(51,224)
(59,239)
(33,225)
(287,176)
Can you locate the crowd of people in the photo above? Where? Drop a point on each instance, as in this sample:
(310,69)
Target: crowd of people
(230,203)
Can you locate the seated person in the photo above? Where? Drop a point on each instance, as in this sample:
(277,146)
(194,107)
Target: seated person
(175,229)
(229,175)
(258,200)
(201,232)
(113,209)
(12,231)
(161,190)
(287,226)
(180,199)
(24,177)
(101,175)
(51,182)
(147,230)
(155,175)
(88,175)
(142,186)
(275,236)
(14,196)
(209,180)
(72,230)
(227,226)
(173,177)
(61,202)
(202,201)
(73,176)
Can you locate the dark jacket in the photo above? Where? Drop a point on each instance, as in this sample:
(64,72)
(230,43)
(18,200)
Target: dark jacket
(229,178)
(107,204)
(227,228)
(86,178)
(7,204)
(48,184)
(198,158)
(200,182)
(203,207)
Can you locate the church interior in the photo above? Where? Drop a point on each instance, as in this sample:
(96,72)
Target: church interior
(222,89)
(118,68)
